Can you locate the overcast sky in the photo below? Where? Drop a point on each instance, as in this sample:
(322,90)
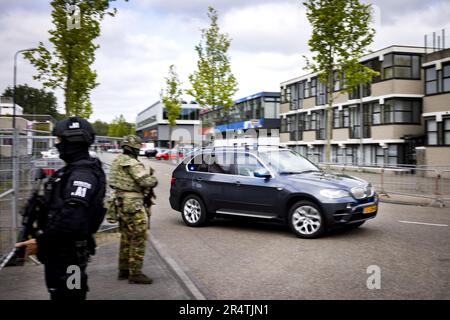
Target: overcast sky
(137,46)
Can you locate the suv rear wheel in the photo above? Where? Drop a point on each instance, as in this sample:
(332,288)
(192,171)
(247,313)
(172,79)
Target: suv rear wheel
(193,211)
(306,220)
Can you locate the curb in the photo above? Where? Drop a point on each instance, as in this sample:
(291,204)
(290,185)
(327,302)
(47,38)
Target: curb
(432,204)
(182,277)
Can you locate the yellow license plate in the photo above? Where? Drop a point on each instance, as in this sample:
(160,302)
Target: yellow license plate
(370,209)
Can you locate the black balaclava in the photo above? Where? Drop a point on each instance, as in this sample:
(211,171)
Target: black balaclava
(131,151)
(72,151)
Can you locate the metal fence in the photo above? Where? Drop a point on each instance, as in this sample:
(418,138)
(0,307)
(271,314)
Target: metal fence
(431,183)
(34,150)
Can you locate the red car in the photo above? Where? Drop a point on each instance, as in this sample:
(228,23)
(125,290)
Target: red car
(168,154)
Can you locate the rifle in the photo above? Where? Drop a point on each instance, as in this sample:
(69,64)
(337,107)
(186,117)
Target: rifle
(30,216)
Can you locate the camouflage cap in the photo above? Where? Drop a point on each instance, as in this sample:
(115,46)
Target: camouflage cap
(132,141)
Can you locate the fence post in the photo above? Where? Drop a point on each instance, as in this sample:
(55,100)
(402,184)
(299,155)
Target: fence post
(15,182)
(436,190)
(382,182)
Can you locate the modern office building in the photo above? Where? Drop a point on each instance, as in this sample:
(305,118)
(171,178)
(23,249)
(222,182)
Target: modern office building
(152,124)
(380,123)
(258,111)
(436,108)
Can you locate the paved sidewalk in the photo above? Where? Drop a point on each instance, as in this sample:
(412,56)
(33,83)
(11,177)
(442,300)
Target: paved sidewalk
(28,282)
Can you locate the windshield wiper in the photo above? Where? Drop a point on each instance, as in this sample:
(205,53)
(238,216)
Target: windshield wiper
(298,172)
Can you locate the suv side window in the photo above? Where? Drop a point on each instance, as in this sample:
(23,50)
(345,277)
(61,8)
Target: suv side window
(221,162)
(198,164)
(247,164)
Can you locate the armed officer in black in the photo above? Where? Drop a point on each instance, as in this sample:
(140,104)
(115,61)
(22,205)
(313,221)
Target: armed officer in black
(74,211)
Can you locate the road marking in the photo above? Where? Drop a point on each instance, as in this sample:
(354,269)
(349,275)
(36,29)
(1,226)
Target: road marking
(426,224)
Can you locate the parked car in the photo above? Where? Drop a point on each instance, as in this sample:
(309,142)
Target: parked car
(50,154)
(151,153)
(114,150)
(272,184)
(167,154)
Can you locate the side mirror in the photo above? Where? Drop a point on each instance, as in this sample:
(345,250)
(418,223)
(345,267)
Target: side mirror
(262,173)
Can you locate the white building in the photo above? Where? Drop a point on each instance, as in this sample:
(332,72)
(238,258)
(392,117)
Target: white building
(152,124)
(6,107)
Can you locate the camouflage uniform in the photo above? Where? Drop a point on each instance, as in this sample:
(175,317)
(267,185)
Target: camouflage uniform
(131,183)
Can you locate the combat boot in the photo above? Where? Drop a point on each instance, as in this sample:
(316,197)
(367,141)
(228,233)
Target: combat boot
(123,274)
(139,278)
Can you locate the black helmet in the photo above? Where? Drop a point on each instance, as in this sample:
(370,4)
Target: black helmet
(75,129)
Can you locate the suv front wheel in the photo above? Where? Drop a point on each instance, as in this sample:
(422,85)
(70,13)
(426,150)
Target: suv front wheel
(193,211)
(306,220)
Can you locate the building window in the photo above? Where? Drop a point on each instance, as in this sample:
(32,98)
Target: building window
(379,155)
(356,92)
(336,118)
(431,81)
(401,66)
(313,87)
(402,111)
(313,121)
(321,98)
(376,114)
(446,78)
(432,132)
(320,133)
(392,154)
(306,91)
(337,81)
(345,117)
(375,65)
(447,132)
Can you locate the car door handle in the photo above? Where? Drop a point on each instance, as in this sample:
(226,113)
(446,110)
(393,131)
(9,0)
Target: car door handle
(198,179)
(238,183)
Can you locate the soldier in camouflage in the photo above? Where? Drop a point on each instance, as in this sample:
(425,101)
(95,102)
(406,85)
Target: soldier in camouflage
(132,185)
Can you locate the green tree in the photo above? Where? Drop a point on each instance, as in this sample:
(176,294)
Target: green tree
(68,64)
(100,127)
(34,101)
(119,127)
(171,98)
(213,84)
(341,35)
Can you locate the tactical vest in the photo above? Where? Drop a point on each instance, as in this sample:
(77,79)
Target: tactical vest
(119,177)
(54,197)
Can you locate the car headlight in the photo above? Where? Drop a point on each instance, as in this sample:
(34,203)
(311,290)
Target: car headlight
(334,193)
(363,192)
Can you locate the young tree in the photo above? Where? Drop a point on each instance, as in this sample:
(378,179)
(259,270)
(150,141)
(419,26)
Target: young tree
(34,101)
(171,98)
(101,127)
(213,84)
(341,36)
(119,127)
(68,65)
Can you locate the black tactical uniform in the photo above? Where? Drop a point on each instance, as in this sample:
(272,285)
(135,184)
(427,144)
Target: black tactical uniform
(74,206)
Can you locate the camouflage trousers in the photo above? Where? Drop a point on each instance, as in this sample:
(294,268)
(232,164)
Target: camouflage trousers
(133,227)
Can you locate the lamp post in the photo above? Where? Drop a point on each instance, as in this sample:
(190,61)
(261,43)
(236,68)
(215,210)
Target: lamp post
(15,147)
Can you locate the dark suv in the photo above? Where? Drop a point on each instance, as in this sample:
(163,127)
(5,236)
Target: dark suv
(272,184)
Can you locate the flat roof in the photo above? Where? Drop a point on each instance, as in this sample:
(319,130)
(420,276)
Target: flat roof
(368,56)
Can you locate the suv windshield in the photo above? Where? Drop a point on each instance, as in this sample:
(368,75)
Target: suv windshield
(287,162)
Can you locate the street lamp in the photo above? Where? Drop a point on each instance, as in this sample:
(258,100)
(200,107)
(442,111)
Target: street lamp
(15,83)
(15,147)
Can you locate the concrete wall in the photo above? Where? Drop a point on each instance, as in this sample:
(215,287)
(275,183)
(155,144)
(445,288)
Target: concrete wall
(309,136)
(6,123)
(440,102)
(284,137)
(284,108)
(437,156)
(309,103)
(395,131)
(341,134)
(397,87)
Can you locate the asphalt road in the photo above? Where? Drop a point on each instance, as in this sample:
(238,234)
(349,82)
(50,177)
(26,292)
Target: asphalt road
(249,260)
